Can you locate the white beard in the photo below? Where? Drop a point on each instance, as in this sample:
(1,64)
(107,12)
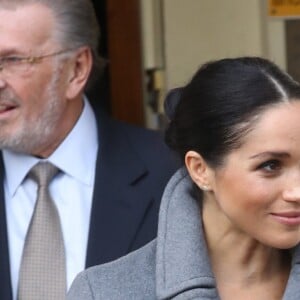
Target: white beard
(33,134)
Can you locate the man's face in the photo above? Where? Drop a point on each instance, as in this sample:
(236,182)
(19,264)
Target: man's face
(33,106)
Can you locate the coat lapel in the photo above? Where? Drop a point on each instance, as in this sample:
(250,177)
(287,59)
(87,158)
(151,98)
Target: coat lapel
(5,290)
(116,211)
(292,291)
(182,264)
(117,208)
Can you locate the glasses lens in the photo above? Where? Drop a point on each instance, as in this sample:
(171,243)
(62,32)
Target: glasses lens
(14,65)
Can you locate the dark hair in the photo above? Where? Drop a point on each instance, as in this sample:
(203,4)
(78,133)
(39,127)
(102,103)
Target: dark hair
(221,102)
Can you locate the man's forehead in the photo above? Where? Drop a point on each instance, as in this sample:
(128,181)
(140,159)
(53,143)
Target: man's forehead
(29,25)
(14,4)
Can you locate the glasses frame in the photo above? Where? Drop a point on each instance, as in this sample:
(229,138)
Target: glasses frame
(28,59)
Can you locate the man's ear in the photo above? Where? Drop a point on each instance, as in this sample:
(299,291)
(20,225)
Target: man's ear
(79,72)
(198,169)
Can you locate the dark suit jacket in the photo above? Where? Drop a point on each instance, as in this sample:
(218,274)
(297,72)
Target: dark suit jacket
(133,167)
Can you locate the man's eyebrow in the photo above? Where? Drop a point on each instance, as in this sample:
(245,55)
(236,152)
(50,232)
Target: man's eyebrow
(9,51)
(270,154)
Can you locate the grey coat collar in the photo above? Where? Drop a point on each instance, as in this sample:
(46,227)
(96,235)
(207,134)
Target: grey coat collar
(183,270)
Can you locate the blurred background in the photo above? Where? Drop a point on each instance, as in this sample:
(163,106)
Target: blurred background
(152,46)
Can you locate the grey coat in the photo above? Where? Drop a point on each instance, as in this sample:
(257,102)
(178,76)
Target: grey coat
(174,266)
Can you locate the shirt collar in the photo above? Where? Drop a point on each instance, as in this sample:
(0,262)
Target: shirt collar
(75,156)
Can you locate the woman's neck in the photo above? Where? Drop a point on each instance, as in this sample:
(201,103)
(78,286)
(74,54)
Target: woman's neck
(240,261)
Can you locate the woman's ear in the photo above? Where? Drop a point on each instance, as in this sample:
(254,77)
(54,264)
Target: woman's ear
(198,169)
(79,72)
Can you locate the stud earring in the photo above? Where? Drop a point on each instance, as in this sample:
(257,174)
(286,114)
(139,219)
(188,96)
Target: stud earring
(205,188)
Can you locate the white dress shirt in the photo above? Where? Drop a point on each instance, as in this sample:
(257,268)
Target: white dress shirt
(71,190)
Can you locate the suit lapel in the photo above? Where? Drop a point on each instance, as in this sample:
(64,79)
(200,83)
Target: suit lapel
(116,210)
(5,290)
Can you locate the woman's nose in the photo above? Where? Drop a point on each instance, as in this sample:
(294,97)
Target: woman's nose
(292,193)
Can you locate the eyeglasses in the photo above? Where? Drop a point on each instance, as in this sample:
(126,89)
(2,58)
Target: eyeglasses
(21,65)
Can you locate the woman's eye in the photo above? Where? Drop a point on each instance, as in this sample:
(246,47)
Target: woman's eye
(270,166)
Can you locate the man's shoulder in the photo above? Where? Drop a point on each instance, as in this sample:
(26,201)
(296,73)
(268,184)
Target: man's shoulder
(149,144)
(138,131)
(128,277)
(115,128)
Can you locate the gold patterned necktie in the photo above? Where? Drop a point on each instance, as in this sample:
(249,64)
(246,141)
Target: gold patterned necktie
(43,270)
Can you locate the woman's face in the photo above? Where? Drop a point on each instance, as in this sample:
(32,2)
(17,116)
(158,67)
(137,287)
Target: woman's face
(258,187)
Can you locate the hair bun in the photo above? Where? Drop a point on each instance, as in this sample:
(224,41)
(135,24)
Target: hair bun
(171,102)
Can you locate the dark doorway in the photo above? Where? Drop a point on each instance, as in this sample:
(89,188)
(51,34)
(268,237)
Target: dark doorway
(120,88)
(100,8)
(99,94)
(292,28)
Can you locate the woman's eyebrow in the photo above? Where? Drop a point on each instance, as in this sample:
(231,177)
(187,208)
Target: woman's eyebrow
(270,153)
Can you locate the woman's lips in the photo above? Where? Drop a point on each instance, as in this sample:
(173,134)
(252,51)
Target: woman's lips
(287,218)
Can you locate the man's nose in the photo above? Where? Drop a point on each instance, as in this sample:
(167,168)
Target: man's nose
(2,80)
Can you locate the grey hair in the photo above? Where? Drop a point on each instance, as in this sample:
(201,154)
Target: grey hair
(75,26)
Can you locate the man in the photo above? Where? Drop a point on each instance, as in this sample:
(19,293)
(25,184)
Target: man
(111,176)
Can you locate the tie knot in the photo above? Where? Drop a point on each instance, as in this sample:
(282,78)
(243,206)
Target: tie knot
(43,173)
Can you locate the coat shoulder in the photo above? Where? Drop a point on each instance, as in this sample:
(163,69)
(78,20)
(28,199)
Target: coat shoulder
(131,277)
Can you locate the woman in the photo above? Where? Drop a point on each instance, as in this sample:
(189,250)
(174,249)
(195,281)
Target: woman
(229,224)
